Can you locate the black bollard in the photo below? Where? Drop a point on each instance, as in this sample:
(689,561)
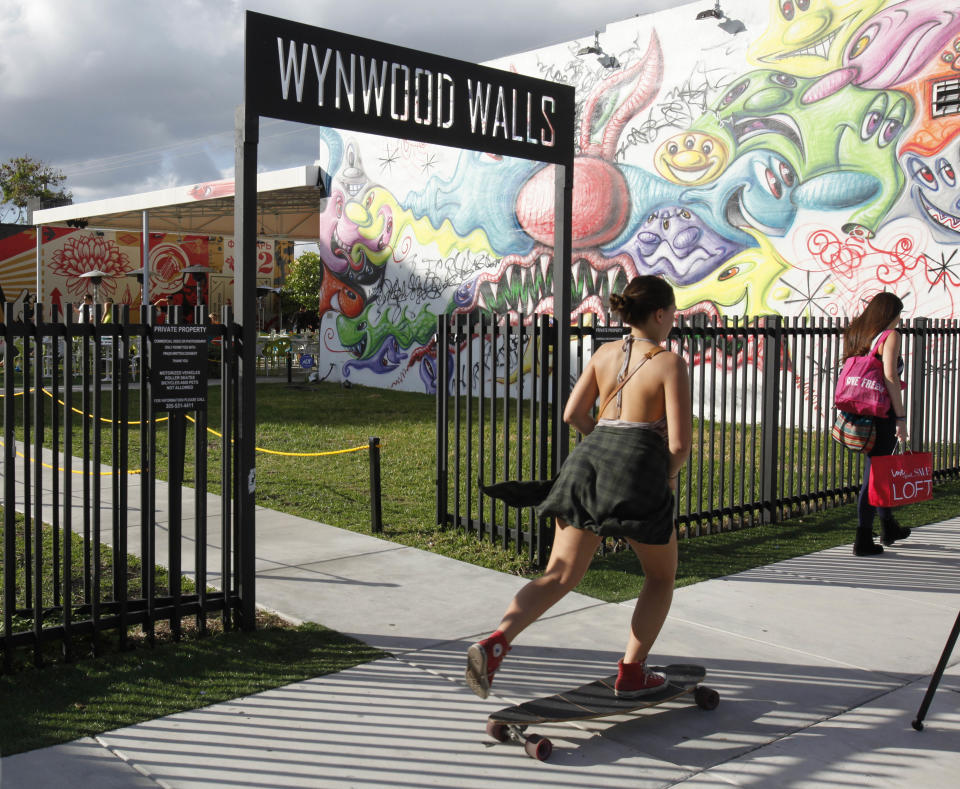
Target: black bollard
(376,514)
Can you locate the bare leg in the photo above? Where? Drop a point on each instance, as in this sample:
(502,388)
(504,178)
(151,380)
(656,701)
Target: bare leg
(659,564)
(573,550)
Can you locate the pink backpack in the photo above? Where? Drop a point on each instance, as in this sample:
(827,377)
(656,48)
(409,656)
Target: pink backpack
(861,389)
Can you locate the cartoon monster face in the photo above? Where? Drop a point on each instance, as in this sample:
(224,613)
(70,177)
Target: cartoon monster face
(871,147)
(806,38)
(356,334)
(755,192)
(742,284)
(761,109)
(355,236)
(691,158)
(335,294)
(817,129)
(935,189)
(894,44)
(675,242)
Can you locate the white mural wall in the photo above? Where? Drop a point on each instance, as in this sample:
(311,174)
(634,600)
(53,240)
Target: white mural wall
(794,168)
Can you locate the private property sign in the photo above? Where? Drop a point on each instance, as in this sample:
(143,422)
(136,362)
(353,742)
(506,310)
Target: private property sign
(178,367)
(308,74)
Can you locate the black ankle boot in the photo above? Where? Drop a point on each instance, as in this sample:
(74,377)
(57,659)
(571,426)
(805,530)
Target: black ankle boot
(891,531)
(864,544)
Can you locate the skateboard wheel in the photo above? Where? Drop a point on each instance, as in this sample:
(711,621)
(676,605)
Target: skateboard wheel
(538,747)
(497,730)
(706,698)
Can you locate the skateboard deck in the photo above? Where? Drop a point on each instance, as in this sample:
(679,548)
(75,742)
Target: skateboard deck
(596,699)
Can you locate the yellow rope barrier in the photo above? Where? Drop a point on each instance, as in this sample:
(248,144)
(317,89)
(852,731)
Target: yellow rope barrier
(209,430)
(102,418)
(292,454)
(74,470)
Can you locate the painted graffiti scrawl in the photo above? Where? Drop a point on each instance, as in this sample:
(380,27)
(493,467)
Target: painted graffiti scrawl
(794,168)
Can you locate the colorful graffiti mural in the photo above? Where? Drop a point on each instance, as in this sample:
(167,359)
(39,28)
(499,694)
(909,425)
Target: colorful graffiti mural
(795,168)
(69,253)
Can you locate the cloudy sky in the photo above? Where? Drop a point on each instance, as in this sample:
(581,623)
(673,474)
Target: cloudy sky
(131,95)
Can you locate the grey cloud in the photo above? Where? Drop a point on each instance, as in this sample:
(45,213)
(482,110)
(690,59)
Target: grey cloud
(136,94)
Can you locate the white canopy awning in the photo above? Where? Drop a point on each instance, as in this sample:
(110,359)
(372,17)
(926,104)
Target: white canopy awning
(288,202)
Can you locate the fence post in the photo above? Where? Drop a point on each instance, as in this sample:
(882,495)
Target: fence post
(443,344)
(376,514)
(918,366)
(770,424)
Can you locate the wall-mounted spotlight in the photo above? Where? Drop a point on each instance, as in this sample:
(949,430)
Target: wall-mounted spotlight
(728,25)
(607,61)
(592,50)
(713,13)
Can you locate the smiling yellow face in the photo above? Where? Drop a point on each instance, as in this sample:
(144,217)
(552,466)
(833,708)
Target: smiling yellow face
(806,38)
(691,158)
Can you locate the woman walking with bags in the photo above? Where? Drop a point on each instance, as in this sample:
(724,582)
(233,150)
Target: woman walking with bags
(619,481)
(874,331)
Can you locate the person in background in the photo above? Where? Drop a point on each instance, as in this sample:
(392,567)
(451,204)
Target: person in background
(881,316)
(619,481)
(161,316)
(107,315)
(85,311)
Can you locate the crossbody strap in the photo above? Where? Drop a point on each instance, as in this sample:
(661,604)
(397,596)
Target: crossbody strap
(646,357)
(883,335)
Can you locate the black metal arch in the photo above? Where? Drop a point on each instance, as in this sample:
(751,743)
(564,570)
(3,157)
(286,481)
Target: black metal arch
(321,77)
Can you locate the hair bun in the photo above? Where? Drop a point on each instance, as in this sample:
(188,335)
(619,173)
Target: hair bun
(617,301)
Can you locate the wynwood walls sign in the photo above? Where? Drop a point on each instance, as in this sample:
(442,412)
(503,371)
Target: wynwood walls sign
(312,75)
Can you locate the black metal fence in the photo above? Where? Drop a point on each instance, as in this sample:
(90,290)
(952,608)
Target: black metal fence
(763,409)
(69,388)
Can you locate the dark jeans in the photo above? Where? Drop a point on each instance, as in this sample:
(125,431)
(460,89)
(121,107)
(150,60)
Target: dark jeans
(886,441)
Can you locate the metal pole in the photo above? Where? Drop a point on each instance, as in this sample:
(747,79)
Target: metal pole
(145,286)
(40,264)
(376,511)
(562,279)
(247,127)
(771,337)
(937,674)
(918,388)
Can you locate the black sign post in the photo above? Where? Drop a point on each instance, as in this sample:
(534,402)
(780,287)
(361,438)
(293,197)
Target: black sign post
(178,384)
(312,75)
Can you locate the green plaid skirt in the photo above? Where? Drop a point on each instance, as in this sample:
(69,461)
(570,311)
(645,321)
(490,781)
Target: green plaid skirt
(614,483)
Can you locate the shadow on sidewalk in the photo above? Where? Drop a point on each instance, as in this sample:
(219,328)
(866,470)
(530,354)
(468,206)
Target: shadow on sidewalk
(391,723)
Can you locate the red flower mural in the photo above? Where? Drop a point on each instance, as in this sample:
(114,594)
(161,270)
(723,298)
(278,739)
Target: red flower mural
(83,253)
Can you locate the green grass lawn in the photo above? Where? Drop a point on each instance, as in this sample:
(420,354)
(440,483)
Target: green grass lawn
(335,489)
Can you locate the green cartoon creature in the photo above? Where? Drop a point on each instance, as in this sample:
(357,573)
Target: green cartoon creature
(839,139)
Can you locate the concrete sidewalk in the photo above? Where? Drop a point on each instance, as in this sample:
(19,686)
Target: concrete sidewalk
(821,663)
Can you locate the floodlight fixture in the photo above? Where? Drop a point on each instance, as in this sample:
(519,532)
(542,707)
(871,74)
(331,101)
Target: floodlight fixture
(607,61)
(712,13)
(594,49)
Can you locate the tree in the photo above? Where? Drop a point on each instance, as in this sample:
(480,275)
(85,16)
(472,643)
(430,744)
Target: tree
(302,286)
(23,178)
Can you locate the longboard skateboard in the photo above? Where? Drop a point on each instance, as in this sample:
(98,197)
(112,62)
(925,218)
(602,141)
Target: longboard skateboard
(594,700)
